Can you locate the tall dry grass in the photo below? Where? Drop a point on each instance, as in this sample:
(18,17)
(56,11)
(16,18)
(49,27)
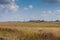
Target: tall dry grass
(13,34)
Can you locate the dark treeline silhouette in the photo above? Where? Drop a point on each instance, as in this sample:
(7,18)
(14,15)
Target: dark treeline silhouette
(43,21)
(57,20)
(37,21)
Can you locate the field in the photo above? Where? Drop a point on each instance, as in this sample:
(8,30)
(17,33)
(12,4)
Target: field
(29,30)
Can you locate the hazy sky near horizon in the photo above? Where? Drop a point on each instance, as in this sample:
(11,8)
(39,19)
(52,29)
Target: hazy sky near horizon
(20,10)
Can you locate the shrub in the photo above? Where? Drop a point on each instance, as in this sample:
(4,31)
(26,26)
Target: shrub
(57,20)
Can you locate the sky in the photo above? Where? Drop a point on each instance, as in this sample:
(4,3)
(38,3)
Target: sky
(25,10)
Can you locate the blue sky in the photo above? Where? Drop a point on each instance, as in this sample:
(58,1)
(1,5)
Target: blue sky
(24,10)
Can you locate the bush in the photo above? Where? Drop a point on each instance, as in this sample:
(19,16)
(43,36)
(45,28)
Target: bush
(57,20)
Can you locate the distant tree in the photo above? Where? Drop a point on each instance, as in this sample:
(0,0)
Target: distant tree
(42,21)
(34,21)
(57,20)
(37,21)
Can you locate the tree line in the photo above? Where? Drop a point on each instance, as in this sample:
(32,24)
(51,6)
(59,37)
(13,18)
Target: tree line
(43,21)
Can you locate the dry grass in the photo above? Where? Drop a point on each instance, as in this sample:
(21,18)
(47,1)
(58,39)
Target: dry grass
(10,34)
(30,24)
(30,31)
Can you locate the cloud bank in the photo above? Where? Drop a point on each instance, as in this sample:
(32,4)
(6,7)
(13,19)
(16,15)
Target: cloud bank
(8,5)
(50,15)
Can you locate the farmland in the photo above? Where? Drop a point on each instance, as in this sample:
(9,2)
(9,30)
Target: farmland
(29,30)
(30,24)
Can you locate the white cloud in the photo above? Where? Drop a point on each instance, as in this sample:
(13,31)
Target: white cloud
(30,6)
(25,8)
(50,14)
(13,0)
(43,11)
(2,6)
(11,6)
(58,11)
(49,11)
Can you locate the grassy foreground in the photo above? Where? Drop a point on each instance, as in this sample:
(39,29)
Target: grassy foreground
(13,34)
(9,31)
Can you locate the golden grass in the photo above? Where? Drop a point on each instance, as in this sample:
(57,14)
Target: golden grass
(30,30)
(31,24)
(10,34)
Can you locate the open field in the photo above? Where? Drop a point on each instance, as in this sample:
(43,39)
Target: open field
(30,24)
(29,30)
